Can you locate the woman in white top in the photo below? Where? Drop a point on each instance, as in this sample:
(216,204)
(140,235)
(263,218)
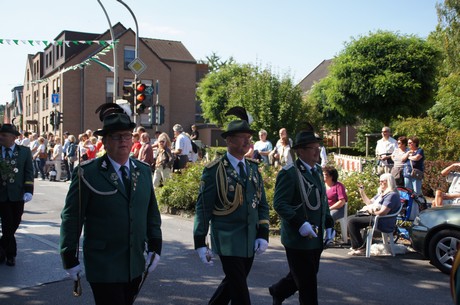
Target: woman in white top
(56,157)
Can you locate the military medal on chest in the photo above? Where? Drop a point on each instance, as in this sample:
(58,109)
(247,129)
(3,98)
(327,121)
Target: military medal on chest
(8,169)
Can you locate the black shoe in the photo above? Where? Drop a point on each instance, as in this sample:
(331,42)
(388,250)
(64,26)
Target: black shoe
(276,300)
(10,261)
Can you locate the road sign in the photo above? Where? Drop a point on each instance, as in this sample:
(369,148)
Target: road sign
(55,99)
(149,90)
(137,66)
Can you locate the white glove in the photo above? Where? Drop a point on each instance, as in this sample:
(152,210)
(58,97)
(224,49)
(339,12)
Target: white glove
(155,262)
(74,272)
(27,197)
(307,230)
(260,245)
(205,253)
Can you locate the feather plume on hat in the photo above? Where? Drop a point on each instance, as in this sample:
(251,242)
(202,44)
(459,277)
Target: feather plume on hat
(110,108)
(241,113)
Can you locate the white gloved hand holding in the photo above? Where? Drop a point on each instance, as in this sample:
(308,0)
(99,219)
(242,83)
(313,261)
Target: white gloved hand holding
(306,230)
(74,272)
(155,262)
(205,253)
(27,197)
(260,245)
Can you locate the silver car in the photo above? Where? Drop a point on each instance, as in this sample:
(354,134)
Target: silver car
(436,234)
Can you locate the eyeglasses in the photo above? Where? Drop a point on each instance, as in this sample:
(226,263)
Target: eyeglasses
(120,137)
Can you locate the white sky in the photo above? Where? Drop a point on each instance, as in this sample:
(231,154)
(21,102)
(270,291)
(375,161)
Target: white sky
(291,36)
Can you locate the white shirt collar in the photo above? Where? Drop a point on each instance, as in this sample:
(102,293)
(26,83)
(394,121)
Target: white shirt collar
(234,161)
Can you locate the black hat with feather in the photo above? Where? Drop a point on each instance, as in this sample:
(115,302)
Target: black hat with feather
(306,136)
(238,126)
(114,118)
(10,128)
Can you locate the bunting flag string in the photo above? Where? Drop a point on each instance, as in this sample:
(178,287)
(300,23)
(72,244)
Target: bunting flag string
(17,42)
(86,62)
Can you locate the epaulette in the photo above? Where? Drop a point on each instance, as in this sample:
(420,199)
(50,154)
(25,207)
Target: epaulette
(86,162)
(288,166)
(142,162)
(252,160)
(213,162)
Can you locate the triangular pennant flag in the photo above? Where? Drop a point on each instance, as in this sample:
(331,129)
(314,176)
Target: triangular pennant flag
(60,42)
(46,42)
(24,41)
(8,41)
(67,43)
(16,41)
(75,42)
(31,42)
(38,42)
(1,41)
(106,66)
(103,43)
(89,42)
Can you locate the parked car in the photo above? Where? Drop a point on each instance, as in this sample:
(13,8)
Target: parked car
(436,234)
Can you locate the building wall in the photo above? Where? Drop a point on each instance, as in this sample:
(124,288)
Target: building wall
(83,90)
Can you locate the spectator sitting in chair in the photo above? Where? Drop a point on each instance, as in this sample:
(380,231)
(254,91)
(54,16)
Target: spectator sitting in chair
(387,201)
(336,193)
(453,194)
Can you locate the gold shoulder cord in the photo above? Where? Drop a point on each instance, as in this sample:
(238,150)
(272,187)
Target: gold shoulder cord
(222,190)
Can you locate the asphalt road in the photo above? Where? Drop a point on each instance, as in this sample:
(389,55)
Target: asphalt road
(181,278)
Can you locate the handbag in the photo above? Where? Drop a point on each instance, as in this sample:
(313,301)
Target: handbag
(42,155)
(416,173)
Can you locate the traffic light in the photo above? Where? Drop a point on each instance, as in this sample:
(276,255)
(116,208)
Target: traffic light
(140,92)
(52,118)
(59,118)
(157,115)
(128,94)
(140,97)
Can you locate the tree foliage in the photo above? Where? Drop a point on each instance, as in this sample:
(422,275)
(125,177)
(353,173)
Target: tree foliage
(274,102)
(447,39)
(380,76)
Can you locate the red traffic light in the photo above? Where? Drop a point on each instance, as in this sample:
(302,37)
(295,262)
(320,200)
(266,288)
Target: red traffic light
(140,97)
(141,88)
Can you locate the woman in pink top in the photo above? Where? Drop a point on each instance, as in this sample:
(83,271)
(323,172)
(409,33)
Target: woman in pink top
(335,191)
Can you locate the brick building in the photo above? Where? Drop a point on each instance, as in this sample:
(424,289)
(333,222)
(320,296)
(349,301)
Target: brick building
(77,74)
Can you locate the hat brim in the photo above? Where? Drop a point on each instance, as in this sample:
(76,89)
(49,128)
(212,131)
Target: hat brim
(104,132)
(302,144)
(13,132)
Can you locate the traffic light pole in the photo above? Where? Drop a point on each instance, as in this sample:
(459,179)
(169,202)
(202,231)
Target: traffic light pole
(115,65)
(136,55)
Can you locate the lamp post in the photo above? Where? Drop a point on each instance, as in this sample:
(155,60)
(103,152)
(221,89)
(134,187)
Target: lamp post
(115,65)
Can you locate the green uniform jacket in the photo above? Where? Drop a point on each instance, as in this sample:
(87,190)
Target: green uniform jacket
(233,234)
(116,227)
(288,204)
(17,175)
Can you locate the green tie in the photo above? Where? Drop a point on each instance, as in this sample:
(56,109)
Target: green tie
(7,153)
(125,178)
(314,173)
(242,172)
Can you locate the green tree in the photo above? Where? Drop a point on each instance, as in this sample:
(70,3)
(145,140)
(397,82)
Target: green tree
(274,102)
(447,39)
(381,76)
(215,62)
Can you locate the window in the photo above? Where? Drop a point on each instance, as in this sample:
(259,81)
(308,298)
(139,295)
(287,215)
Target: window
(109,90)
(129,54)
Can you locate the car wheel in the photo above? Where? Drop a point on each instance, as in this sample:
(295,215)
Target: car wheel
(442,249)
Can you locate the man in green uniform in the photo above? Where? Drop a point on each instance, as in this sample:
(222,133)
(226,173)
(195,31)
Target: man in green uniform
(232,199)
(113,198)
(300,200)
(16,187)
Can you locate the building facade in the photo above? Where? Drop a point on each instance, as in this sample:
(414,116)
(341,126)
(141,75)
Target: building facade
(74,75)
